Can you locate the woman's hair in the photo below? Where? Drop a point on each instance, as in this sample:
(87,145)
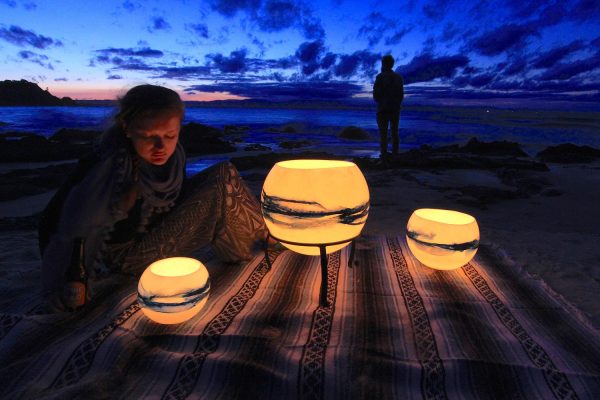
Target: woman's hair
(141,106)
(145,103)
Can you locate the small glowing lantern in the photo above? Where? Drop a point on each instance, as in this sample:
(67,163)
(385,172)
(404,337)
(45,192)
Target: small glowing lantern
(173,290)
(442,239)
(314,202)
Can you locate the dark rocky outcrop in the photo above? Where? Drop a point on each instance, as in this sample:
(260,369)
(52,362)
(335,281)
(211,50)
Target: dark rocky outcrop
(292,127)
(474,155)
(269,159)
(474,146)
(28,182)
(354,133)
(569,153)
(294,144)
(25,93)
(203,139)
(23,146)
(256,147)
(75,136)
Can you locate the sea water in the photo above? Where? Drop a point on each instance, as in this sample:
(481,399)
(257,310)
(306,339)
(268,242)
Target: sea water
(433,126)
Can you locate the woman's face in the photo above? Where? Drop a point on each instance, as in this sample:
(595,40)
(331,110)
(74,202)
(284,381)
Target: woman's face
(155,142)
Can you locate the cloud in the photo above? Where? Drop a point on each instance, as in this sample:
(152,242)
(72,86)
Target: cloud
(130,6)
(397,36)
(235,63)
(425,67)
(198,29)
(550,58)
(378,27)
(126,58)
(501,39)
(585,10)
(281,91)
(359,61)
(436,9)
(476,81)
(10,3)
(312,28)
(328,60)
(61,79)
(309,52)
(375,27)
(35,58)
(183,73)
(142,52)
(563,71)
(516,67)
(450,32)
(114,77)
(159,24)
(229,8)
(274,15)
(21,37)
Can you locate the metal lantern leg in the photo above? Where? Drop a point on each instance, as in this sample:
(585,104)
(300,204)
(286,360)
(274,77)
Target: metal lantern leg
(323,302)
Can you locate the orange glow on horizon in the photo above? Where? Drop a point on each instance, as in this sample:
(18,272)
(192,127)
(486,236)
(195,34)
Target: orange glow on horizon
(211,96)
(112,93)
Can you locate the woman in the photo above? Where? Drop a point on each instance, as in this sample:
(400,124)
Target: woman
(132,204)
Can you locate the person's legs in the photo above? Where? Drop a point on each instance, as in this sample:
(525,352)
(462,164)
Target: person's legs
(394,124)
(382,123)
(216,207)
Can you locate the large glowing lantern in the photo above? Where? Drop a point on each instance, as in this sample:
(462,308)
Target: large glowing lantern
(173,290)
(442,239)
(307,203)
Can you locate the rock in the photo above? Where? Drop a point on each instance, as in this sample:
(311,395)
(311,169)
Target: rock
(269,159)
(24,93)
(234,129)
(496,148)
(24,146)
(568,153)
(292,127)
(200,130)
(294,144)
(27,182)
(256,147)
(75,136)
(354,133)
(202,139)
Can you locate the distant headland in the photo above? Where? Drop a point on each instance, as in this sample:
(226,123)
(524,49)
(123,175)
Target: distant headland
(25,93)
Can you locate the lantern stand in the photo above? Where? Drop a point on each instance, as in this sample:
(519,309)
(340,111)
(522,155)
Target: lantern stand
(322,247)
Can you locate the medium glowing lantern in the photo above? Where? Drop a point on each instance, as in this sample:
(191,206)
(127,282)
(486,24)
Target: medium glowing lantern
(173,290)
(442,239)
(307,203)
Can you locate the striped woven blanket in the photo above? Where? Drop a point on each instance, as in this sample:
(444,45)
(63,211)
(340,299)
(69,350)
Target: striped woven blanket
(393,329)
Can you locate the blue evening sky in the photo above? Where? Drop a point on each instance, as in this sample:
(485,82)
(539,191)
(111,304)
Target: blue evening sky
(451,52)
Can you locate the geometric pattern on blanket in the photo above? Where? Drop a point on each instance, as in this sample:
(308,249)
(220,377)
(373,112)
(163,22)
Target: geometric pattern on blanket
(393,329)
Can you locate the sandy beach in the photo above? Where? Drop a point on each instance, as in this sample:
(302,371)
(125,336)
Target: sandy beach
(552,234)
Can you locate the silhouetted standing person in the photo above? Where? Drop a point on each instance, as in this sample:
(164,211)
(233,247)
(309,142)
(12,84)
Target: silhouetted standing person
(388,93)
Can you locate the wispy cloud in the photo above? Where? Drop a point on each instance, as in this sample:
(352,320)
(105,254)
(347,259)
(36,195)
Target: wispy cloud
(159,24)
(311,90)
(425,67)
(22,37)
(36,58)
(501,39)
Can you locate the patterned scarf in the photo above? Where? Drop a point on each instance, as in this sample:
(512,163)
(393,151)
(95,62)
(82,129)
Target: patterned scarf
(91,208)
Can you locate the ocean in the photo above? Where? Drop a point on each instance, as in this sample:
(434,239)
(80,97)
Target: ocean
(434,126)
